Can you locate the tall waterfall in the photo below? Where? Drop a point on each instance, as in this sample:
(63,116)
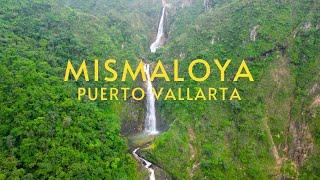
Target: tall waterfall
(158,42)
(150,121)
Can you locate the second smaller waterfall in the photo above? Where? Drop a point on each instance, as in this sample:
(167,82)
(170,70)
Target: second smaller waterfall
(158,42)
(150,120)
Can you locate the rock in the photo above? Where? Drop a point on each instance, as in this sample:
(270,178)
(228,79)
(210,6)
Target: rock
(254,33)
(207,4)
(307,26)
(182,55)
(186,3)
(315,88)
(316,102)
(132,117)
(302,142)
(214,40)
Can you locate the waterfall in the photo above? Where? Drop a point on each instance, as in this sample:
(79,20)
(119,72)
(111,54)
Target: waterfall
(150,120)
(158,42)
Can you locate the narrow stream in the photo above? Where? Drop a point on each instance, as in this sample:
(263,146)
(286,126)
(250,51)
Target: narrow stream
(146,164)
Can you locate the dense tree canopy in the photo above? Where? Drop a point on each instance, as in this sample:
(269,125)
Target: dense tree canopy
(46,133)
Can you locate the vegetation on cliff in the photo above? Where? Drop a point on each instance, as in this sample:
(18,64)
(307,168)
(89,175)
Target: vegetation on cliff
(45,132)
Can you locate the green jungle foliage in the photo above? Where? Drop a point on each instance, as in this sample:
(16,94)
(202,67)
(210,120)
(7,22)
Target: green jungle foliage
(46,133)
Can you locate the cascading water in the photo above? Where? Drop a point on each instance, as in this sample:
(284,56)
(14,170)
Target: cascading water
(150,126)
(150,120)
(158,42)
(146,164)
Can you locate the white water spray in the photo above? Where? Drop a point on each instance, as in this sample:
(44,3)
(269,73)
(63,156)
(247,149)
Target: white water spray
(150,125)
(159,40)
(151,121)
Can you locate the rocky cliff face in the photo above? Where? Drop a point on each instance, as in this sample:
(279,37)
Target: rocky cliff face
(178,3)
(132,117)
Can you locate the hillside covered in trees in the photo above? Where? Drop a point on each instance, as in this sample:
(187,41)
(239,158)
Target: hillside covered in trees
(273,132)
